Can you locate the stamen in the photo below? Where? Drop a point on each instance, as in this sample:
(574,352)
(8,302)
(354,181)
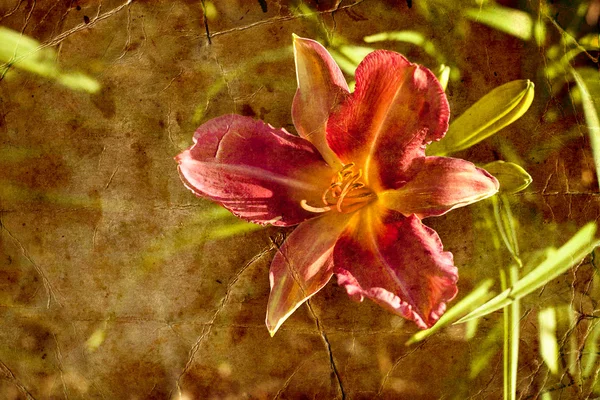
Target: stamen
(310,208)
(346,193)
(329,190)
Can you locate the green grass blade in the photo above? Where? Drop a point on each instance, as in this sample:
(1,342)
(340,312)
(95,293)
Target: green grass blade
(508,20)
(412,37)
(591,108)
(25,53)
(506,226)
(468,303)
(580,245)
(590,353)
(548,341)
(355,53)
(486,350)
(443,75)
(512,318)
(345,64)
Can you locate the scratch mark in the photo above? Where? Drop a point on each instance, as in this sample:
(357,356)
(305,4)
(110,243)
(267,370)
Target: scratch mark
(58,355)
(11,12)
(208,327)
(28,17)
(59,38)
(489,382)
(328,348)
(144,38)
(169,132)
(172,80)
(49,290)
(111,178)
(128,40)
(282,19)
(223,74)
(9,376)
(41,21)
(289,379)
(389,373)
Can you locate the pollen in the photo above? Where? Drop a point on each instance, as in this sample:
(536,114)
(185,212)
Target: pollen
(346,194)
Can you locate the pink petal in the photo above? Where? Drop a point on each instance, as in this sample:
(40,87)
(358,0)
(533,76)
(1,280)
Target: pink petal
(302,266)
(442,184)
(397,262)
(259,173)
(396,109)
(321,87)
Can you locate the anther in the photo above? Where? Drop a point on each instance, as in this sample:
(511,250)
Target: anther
(310,208)
(346,193)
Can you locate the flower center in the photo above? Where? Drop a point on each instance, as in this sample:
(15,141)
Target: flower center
(346,193)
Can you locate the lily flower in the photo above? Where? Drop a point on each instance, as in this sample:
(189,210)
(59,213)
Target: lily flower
(356,181)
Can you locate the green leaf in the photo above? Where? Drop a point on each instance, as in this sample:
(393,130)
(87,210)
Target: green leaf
(468,303)
(512,177)
(559,261)
(590,353)
(507,226)
(591,109)
(508,20)
(494,111)
(548,342)
(512,331)
(345,64)
(443,75)
(485,351)
(412,37)
(355,53)
(20,51)
(539,33)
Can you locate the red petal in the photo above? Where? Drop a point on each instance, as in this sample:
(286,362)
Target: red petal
(321,87)
(397,262)
(442,184)
(396,109)
(256,171)
(302,266)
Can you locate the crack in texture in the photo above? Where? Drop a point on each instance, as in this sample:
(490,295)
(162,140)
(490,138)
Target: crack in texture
(208,327)
(323,335)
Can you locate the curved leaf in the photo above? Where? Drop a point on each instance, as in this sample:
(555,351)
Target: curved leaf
(512,177)
(494,111)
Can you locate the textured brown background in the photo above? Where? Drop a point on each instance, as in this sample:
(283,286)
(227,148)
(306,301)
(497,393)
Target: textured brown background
(117,283)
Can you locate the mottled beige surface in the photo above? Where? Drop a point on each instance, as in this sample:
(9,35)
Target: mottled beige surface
(115,283)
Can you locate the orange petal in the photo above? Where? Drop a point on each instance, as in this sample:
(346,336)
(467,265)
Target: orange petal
(302,266)
(397,108)
(441,185)
(321,87)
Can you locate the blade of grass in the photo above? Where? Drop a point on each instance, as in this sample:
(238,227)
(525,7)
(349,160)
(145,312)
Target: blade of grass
(512,317)
(588,358)
(25,53)
(506,226)
(468,303)
(590,110)
(412,37)
(548,341)
(508,20)
(485,351)
(580,245)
